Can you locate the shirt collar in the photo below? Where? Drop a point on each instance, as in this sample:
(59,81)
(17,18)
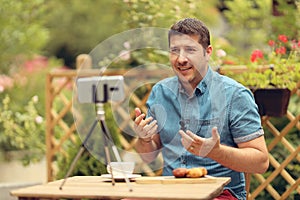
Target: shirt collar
(202,86)
(205,82)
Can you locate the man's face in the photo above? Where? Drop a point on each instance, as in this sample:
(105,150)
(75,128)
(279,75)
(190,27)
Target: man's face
(188,58)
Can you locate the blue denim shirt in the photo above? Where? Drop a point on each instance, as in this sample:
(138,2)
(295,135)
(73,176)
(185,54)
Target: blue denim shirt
(217,101)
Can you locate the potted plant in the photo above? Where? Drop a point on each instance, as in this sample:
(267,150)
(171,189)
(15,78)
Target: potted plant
(272,76)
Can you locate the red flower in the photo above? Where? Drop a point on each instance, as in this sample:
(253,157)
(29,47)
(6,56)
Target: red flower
(271,43)
(280,50)
(283,38)
(256,54)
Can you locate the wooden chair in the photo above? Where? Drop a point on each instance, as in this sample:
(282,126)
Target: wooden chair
(248,181)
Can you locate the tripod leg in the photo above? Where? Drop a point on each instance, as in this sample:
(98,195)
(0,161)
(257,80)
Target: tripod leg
(108,137)
(108,162)
(115,151)
(81,150)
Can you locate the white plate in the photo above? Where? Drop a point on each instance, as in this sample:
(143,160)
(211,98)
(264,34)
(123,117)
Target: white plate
(121,177)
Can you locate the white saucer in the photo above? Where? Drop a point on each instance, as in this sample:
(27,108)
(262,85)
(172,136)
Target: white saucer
(121,177)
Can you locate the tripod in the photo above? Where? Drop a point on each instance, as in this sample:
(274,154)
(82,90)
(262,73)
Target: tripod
(107,136)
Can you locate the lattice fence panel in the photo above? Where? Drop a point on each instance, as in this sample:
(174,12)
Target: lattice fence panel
(280,169)
(59,131)
(278,142)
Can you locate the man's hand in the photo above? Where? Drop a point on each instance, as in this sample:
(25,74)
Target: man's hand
(198,145)
(143,128)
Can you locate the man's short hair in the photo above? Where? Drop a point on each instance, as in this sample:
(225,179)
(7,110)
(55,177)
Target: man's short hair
(191,26)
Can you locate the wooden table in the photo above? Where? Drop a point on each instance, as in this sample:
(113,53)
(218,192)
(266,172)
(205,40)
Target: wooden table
(96,187)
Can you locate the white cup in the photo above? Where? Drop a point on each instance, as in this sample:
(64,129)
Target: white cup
(121,168)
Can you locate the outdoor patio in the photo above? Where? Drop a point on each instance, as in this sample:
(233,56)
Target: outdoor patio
(264,183)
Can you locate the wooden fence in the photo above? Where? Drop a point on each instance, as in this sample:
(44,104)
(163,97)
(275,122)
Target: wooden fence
(59,86)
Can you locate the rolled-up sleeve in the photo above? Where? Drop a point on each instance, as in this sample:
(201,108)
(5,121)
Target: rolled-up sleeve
(244,117)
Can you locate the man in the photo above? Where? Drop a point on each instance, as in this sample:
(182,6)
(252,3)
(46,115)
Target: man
(201,118)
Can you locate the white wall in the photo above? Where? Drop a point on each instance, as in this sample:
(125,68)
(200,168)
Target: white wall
(14,175)
(14,171)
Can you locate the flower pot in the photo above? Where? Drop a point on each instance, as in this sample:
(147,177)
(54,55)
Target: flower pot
(272,101)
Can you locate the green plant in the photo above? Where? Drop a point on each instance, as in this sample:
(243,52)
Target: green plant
(87,164)
(92,161)
(246,18)
(23,31)
(22,130)
(22,110)
(155,13)
(277,68)
(252,22)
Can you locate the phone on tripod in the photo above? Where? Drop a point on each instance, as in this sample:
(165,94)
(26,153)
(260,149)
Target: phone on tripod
(100,89)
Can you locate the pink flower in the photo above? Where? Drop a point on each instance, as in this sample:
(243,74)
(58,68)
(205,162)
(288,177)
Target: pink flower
(271,43)
(256,54)
(5,82)
(295,44)
(35,64)
(126,45)
(124,55)
(220,53)
(35,98)
(283,38)
(39,119)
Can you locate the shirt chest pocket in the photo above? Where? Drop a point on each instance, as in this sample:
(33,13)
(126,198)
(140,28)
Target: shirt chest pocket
(205,126)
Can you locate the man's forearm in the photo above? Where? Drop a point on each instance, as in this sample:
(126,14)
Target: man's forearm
(148,150)
(246,159)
